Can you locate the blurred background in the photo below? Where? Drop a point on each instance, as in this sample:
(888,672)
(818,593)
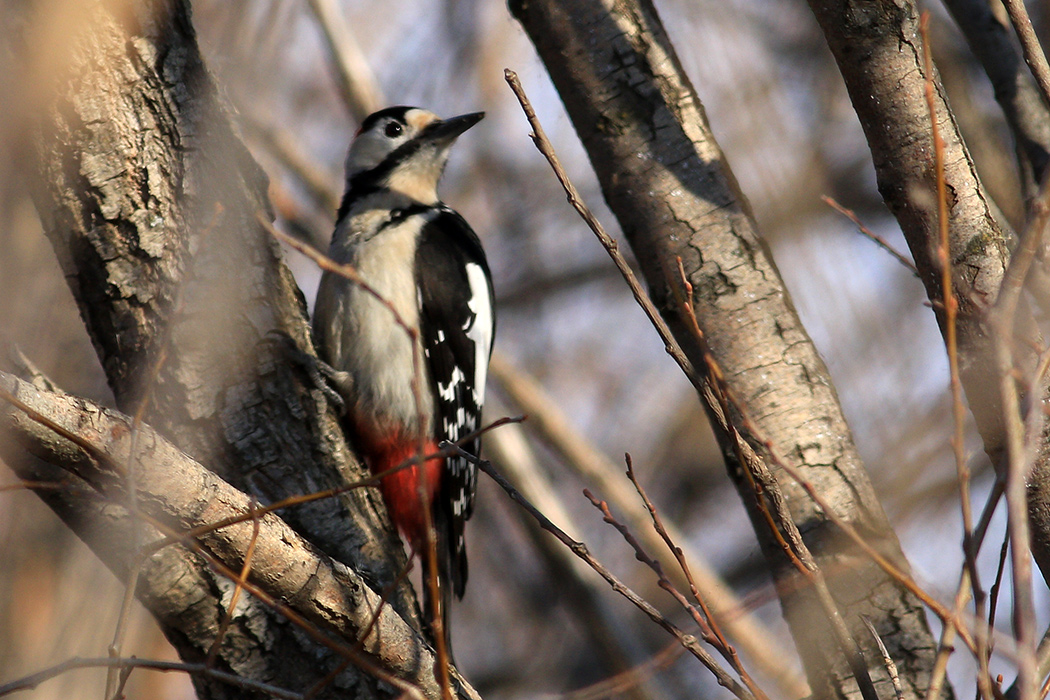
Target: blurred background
(566,323)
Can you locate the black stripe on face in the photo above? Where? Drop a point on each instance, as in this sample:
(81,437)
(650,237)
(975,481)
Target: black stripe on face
(399,113)
(370,181)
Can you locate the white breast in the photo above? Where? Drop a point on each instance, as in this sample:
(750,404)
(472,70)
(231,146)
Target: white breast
(377,350)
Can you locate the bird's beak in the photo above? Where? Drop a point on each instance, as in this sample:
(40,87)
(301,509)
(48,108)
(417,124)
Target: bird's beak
(449,129)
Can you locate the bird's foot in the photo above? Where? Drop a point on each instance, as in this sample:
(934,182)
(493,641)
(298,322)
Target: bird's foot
(332,383)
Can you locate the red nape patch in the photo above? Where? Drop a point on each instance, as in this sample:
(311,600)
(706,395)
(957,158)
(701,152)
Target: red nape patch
(401,490)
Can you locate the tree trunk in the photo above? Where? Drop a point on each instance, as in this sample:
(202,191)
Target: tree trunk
(665,179)
(880,57)
(156,212)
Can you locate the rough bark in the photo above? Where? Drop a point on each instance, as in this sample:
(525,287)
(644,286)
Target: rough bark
(179,494)
(880,56)
(666,180)
(152,206)
(878,50)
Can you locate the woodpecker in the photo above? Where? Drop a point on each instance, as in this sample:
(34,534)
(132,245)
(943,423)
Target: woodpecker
(425,262)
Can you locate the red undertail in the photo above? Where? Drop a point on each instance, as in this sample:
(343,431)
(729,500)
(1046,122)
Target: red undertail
(406,502)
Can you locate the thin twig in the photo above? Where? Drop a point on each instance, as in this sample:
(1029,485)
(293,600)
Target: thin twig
(31,681)
(1030,46)
(879,240)
(663,582)
(543,144)
(891,667)
(348,272)
(718,640)
(327,680)
(227,618)
(946,643)
(950,308)
(997,585)
(688,641)
(998,488)
(125,676)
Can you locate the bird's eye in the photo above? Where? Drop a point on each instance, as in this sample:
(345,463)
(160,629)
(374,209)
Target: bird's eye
(393,129)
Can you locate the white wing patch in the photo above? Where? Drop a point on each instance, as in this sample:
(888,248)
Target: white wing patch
(479,329)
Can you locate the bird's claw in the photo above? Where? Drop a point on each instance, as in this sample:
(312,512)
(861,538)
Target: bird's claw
(332,383)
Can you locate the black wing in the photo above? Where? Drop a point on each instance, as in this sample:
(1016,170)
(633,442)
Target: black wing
(457,323)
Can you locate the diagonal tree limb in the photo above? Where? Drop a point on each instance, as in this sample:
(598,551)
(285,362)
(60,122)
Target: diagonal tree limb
(152,206)
(177,492)
(554,427)
(1016,92)
(688,641)
(666,180)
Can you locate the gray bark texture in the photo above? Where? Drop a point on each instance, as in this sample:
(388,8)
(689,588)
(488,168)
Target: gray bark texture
(880,55)
(156,213)
(175,494)
(153,207)
(878,50)
(666,180)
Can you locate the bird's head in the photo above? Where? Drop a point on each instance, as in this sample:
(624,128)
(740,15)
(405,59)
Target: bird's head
(404,150)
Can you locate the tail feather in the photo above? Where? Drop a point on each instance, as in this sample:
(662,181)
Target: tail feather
(444,581)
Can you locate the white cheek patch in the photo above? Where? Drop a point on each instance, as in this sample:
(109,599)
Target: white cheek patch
(480,330)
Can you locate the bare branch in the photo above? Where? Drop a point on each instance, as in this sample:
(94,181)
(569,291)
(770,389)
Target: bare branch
(879,240)
(886,659)
(1030,47)
(543,144)
(703,621)
(174,488)
(593,467)
(357,86)
(1015,90)
(201,669)
(580,550)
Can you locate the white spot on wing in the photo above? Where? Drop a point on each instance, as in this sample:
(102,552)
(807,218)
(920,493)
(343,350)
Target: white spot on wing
(448,391)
